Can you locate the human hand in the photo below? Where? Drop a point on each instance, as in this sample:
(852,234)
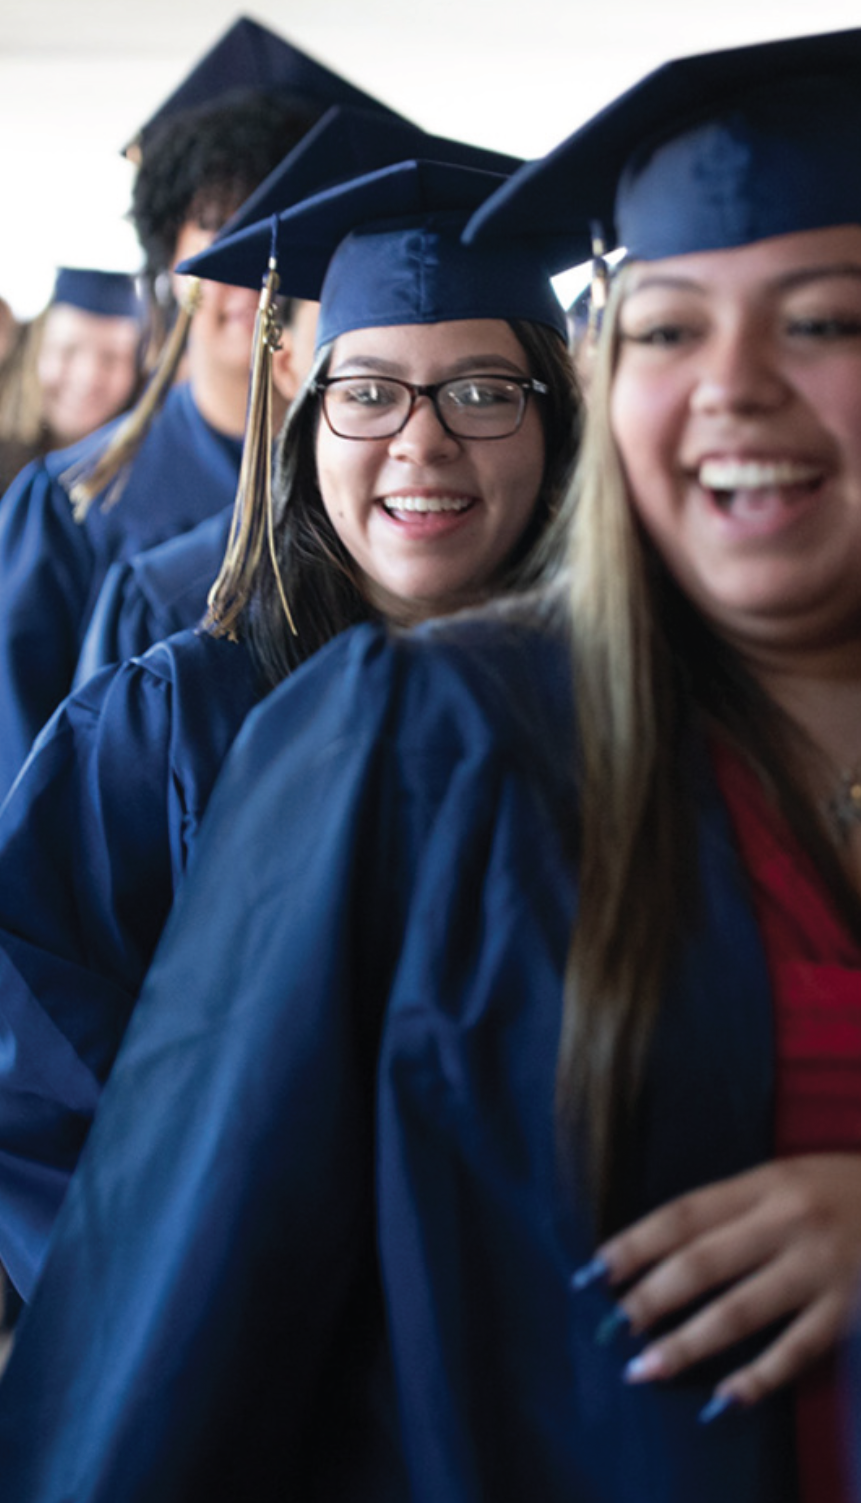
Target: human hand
(779,1243)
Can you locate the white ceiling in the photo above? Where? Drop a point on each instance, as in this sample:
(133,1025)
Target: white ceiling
(78,76)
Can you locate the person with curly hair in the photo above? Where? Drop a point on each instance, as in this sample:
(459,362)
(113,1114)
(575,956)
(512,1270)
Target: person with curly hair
(67,517)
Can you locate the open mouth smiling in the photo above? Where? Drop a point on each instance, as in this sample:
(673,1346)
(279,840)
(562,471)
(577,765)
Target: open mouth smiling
(726,479)
(426,504)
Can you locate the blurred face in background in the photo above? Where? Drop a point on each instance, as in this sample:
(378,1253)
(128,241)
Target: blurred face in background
(87,369)
(222,330)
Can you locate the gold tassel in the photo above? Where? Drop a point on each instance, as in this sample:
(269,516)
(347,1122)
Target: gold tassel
(600,283)
(87,480)
(253,524)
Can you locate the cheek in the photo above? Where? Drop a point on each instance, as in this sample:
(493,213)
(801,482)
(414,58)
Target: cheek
(340,476)
(521,472)
(835,398)
(51,371)
(629,420)
(646,421)
(121,377)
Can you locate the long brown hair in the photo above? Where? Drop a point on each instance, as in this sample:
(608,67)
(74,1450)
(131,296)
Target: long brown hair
(649,673)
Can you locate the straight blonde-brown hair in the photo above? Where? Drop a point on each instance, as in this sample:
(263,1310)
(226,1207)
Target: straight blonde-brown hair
(648,673)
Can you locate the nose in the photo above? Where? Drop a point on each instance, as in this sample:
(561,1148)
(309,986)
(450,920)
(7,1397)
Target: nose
(739,373)
(89,374)
(423,437)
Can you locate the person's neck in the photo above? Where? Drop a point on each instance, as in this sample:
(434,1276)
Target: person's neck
(221,397)
(820,689)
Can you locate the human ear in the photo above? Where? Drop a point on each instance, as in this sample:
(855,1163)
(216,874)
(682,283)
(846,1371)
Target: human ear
(285,378)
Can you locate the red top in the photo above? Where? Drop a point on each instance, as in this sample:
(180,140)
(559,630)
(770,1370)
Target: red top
(815,970)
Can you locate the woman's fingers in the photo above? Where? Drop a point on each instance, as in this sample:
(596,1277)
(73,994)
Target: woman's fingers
(679,1224)
(752,1305)
(808,1338)
(778,1244)
(724,1255)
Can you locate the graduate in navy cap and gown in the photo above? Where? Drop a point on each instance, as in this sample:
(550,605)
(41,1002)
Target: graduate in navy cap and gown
(175,460)
(77,364)
(421,469)
(146,598)
(509,1015)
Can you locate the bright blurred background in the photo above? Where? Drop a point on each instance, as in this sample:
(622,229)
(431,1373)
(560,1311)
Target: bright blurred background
(77,77)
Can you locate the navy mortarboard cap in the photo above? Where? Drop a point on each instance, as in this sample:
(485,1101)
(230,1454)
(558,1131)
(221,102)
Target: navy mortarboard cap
(347,143)
(250,57)
(113,294)
(386,249)
(706,153)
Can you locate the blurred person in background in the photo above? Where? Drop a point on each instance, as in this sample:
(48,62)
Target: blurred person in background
(72,368)
(175,459)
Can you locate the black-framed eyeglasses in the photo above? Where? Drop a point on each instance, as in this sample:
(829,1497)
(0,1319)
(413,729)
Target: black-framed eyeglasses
(368,407)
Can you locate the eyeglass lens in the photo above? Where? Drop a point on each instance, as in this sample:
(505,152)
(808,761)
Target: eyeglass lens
(470,407)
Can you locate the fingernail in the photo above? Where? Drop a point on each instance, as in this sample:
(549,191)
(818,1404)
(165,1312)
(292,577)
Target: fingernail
(640,1369)
(717,1405)
(590,1273)
(612,1326)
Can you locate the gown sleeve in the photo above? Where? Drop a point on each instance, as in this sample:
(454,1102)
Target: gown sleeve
(154,594)
(91,844)
(120,626)
(45,571)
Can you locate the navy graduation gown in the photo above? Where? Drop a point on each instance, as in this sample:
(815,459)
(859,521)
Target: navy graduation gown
(334,1261)
(149,597)
(94,838)
(52,568)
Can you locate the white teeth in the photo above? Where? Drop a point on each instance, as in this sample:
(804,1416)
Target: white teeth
(426,503)
(754,474)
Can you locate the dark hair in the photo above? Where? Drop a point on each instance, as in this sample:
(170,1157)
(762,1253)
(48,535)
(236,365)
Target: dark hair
(202,164)
(318,576)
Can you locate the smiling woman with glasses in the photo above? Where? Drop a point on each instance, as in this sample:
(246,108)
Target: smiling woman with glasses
(423,466)
(470,406)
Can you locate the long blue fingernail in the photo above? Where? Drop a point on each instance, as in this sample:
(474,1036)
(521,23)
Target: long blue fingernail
(717,1405)
(590,1273)
(612,1326)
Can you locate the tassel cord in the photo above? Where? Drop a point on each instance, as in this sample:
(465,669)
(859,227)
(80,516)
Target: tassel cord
(253,523)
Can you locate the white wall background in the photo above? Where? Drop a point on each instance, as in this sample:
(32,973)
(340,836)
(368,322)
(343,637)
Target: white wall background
(77,77)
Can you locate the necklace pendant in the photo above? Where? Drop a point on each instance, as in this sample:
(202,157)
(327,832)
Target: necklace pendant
(844,806)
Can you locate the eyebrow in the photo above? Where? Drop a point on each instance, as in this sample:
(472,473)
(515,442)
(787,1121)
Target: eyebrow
(787,282)
(466,363)
(831,272)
